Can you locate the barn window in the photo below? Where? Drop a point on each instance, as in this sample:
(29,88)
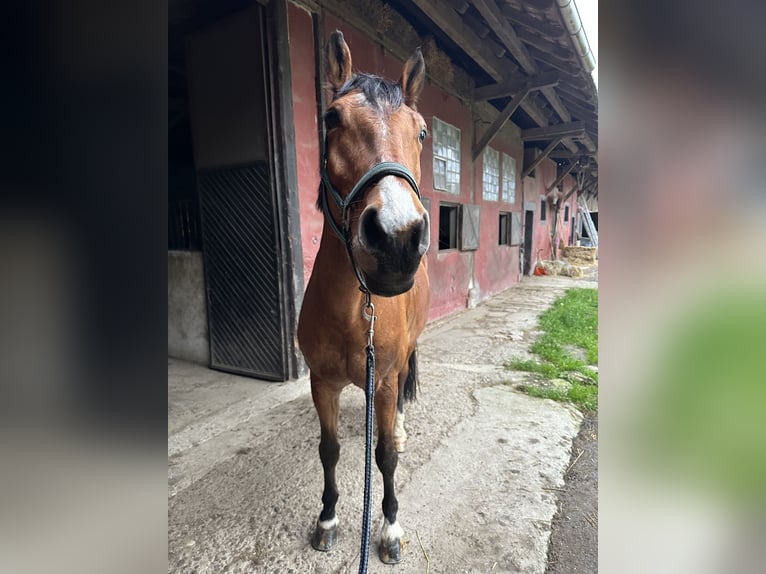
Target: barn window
(446,151)
(543,209)
(490,174)
(504,235)
(509,178)
(448,226)
(566,213)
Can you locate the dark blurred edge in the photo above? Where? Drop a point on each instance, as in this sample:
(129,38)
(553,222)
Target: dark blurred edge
(84,148)
(717,46)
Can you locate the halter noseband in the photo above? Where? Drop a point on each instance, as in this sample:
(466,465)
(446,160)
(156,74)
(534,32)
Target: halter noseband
(344,232)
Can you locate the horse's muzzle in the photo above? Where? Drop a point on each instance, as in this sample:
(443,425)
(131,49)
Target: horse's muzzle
(389,260)
(387,288)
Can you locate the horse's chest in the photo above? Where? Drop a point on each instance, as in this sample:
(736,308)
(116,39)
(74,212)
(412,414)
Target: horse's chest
(344,358)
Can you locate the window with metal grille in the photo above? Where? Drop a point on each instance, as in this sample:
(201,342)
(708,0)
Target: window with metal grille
(446,152)
(448,226)
(566,213)
(509,179)
(504,234)
(543,209)
(490,181)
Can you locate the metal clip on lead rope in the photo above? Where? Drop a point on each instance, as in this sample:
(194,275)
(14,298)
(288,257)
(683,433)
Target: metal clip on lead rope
(368,312)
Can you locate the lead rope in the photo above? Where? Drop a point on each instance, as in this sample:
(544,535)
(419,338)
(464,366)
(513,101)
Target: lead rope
(368,311)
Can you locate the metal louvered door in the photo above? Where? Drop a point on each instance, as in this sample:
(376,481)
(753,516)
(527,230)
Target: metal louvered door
(241,235)
(242,271)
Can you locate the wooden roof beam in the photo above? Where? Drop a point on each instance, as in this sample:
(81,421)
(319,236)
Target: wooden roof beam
(492,14)
(561,176)
(452,24)
(543,27)
(578,111)
(534,39)
(514,86)
(560,154)
(576,188)
(575,94)
(531,85)
(445,17)
(560,64)
(556,104)
(588,143)
(539,159)
(563,130)
(570,145)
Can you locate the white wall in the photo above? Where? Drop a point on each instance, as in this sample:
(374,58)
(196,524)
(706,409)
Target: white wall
(187,307)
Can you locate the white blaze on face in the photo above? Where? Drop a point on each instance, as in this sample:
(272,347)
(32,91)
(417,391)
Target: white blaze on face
(398,210)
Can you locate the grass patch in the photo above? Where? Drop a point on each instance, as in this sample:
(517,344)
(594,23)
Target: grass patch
(571,320)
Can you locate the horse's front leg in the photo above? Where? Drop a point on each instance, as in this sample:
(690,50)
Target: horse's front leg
(326,401)
(391,535)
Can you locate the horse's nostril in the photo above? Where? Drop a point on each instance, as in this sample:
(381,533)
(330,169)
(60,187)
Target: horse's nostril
(371,232)
(421,238)
(417,234)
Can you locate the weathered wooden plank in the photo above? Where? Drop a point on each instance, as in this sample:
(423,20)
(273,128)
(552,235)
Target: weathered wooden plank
(491,13)
(515,85)
(500,121)
(562,175)
(538,160)
(452,25)
(533,39)
(563,130)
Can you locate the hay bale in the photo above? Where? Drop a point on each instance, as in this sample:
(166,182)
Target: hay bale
(559,267)
(551,267)
(569,270)
(579,255)
(438,63)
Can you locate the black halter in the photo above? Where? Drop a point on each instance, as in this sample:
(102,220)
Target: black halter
(344,231)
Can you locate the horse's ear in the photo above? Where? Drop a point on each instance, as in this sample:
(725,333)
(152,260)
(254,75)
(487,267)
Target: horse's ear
(338,59)
(413,78)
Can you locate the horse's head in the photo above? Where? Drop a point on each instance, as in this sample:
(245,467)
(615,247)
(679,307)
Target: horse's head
(370,121)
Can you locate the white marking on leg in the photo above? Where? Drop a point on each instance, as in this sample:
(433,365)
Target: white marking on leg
(400,434)
(328,524)
(391,532)
(398,210)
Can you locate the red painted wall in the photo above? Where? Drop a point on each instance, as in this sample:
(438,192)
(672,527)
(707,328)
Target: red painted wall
(496,266)
(306,130)
(449,270)
(534,190)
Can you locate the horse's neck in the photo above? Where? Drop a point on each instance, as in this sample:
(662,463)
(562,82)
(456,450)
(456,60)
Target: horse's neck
(333,264)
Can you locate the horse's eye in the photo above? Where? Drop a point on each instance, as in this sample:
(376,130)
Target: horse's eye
(331,119)
(422,135)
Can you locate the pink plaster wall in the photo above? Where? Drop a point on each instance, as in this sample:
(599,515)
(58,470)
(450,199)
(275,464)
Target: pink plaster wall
(497,266)
(306,134)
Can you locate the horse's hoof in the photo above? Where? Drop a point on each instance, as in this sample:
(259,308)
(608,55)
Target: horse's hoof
(391,551)
(324,538)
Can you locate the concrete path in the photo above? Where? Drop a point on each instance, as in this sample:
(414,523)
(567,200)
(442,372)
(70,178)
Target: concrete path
(476,486)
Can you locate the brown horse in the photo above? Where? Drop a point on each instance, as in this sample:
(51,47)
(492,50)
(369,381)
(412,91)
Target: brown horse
(376,232)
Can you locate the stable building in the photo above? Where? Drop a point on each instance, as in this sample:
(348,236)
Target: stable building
(511,153)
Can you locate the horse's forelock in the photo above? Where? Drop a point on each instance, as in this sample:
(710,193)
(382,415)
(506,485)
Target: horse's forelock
(377,91)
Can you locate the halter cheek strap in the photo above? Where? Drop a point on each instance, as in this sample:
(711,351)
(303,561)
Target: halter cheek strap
(344,230)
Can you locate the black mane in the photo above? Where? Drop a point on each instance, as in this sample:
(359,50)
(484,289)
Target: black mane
(376,90)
